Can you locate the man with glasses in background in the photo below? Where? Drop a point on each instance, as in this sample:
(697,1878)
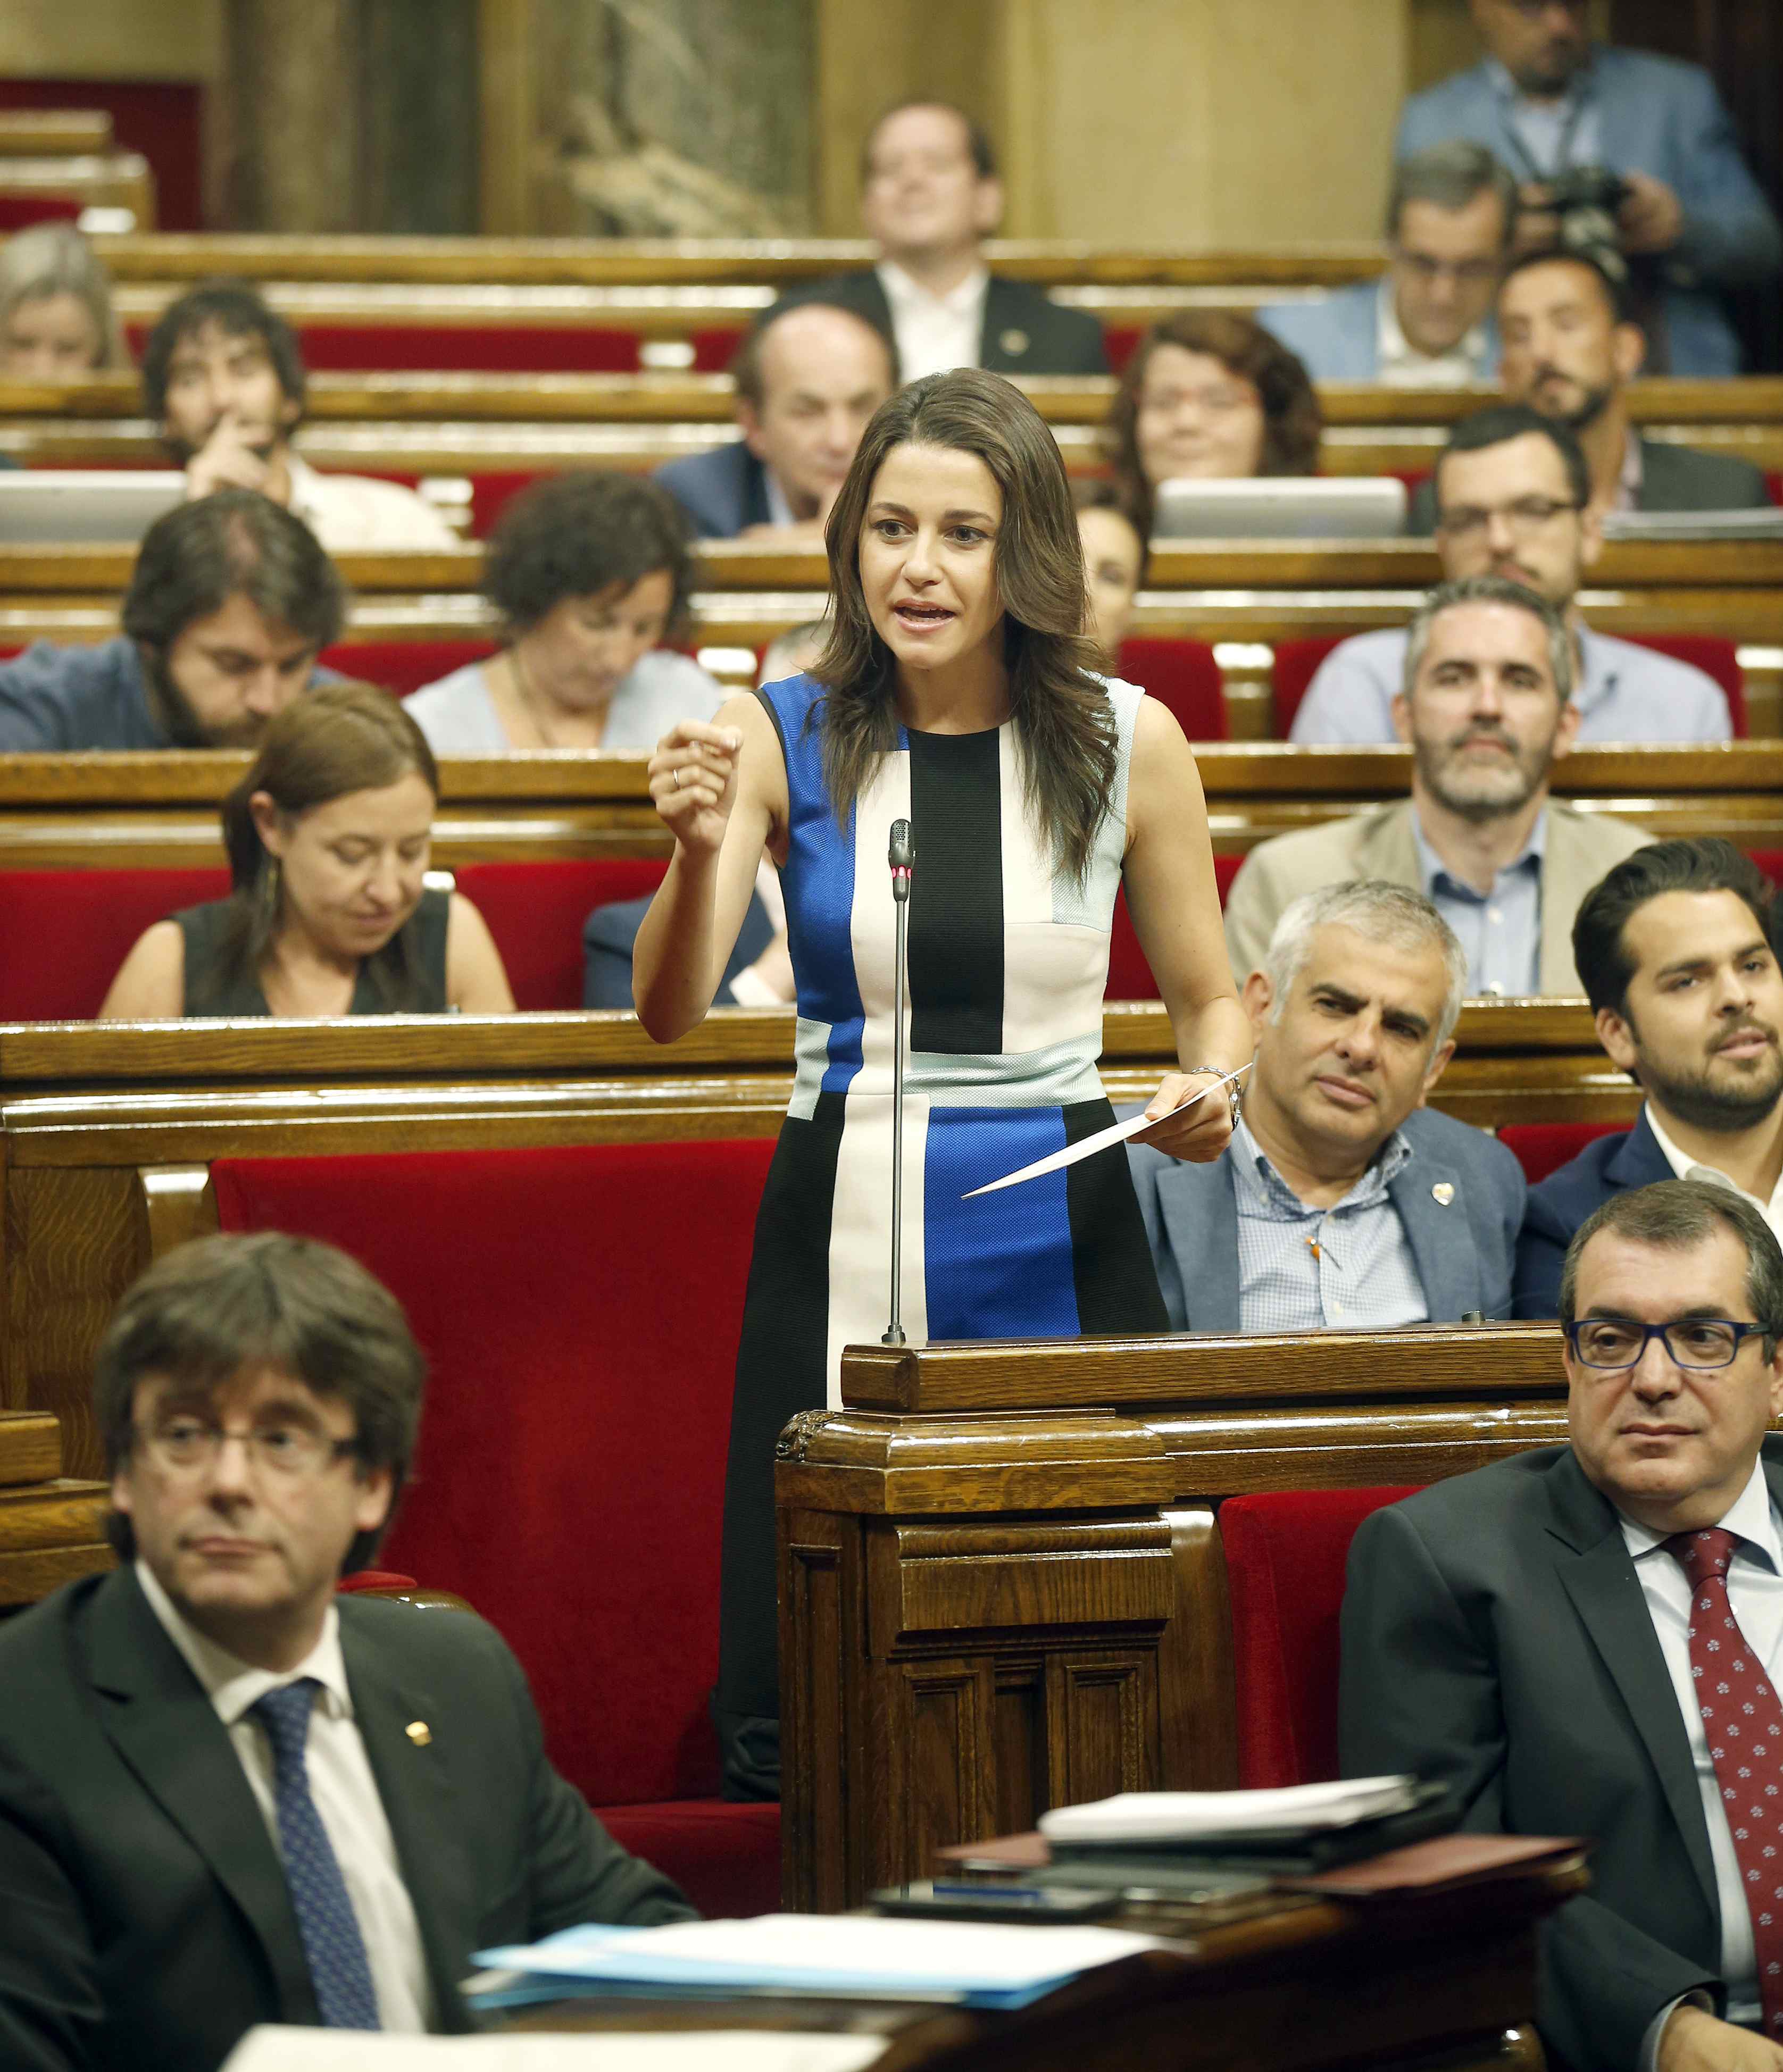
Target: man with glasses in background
(1586,1639)
(1427,322)
(1673,952)
(1624,150)
(1512,500)
(227,1798)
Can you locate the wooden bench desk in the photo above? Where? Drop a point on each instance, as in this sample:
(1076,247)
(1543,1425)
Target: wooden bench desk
(61,812)
(52,1527)
(54,132)
(106,179)
(594,262)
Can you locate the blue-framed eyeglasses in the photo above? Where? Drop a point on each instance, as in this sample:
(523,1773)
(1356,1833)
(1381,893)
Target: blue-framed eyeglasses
(1614,1342)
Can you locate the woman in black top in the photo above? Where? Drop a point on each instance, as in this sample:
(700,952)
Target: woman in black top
(328,837)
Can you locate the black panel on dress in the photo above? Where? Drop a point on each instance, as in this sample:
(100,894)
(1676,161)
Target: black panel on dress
(781,1364)
(956,892)
(1116,1284)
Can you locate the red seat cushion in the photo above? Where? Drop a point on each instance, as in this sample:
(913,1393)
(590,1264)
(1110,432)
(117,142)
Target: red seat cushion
(1770,861)
(20,211)
(1296,664)
(535,912)
(569,1479)
(82,924)
(1542,1148)
(1182,675)
(1714,657)
(404,666)
(1285,1557)
(1129,975)
(725,1858)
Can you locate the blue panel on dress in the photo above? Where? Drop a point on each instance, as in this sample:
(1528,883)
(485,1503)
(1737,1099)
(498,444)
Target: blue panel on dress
(818,883)
(1000,1266)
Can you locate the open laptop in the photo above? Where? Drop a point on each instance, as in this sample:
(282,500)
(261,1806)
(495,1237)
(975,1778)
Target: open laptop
(58,506)
(1280,507)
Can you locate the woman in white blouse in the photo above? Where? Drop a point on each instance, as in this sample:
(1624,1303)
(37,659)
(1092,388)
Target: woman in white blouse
(590,572)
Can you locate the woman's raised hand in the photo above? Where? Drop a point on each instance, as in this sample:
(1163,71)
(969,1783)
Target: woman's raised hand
(694,782)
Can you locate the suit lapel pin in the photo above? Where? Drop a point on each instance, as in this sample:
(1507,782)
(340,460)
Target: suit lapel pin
(419,1733)
(1444,1192)
(1013,342)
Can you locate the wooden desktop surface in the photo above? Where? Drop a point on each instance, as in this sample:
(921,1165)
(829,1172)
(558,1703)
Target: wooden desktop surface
(1283,1982)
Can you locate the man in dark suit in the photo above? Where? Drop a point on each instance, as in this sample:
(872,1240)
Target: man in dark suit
(1568,349)
(1672,950)
(808,376)
(226,1798)
(1586,1640)
(1341,1199)
(929,198)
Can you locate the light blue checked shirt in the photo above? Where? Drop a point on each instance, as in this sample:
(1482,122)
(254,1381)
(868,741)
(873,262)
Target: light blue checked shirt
(1301,1268)
(1499,930)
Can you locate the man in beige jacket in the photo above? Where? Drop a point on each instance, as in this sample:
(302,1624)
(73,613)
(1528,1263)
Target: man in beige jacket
(1487,709)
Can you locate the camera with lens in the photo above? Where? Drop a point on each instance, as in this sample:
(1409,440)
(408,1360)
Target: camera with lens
(1586,198)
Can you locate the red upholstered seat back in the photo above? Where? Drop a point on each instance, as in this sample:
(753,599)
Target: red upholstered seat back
(1183,676)
(403,666)
(1129,975)
(67,932)
(1715,657)
(1770,861)
(580,1308)
(1296,664)
(535,912)
(21,210)
(1542,1148)
(1285,1557)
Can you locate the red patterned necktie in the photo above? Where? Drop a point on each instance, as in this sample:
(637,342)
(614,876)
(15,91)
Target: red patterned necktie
(1744,1721)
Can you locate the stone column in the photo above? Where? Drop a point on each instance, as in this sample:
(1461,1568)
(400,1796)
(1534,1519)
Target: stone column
(287,115)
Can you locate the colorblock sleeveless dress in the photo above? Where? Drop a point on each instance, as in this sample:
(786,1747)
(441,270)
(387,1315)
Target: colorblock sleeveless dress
(1007,961)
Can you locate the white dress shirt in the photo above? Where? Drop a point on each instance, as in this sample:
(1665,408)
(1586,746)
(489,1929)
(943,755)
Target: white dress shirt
(341,1784)
(1399,364)
(1687,1168)
(1755,1594)
(935,333)
(351,513)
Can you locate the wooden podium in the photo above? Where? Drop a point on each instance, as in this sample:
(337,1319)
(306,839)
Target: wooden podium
(1001,1585)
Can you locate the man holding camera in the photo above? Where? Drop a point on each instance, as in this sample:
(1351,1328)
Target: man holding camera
(1619,151)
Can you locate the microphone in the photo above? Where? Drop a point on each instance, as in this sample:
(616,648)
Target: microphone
(902,861)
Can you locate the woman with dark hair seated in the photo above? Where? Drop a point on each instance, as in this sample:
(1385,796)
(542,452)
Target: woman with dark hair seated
(590,572)
(328,837)
(1212,396)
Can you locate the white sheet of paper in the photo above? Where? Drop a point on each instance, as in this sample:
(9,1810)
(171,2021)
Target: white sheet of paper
(277,2049)
(1160,1816)
(1117,1132)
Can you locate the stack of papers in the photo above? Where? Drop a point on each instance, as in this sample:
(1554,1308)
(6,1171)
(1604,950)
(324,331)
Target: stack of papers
(971,1963)
(271,2049)
(1162,1817)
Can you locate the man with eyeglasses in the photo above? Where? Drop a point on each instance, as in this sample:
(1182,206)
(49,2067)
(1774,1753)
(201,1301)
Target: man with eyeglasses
(1586,1639)
(1687,214)
(1673,953)
(1513,500)
(225,1797)
(1427,323)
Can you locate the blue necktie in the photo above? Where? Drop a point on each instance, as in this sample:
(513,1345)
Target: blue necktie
(338,1968)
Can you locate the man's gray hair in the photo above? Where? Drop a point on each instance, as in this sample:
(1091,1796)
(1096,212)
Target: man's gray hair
(791,653)
(1451,175)
(1395,915)
(1491,589)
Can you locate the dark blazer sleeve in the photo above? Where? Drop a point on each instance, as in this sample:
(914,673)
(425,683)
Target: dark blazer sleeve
(1027,332)
(1541,1252)
(51,2006)
(1675,478)
(1419,1692)
(1421,512)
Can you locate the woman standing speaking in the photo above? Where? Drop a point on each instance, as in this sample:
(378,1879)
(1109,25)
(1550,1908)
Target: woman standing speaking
(957,692)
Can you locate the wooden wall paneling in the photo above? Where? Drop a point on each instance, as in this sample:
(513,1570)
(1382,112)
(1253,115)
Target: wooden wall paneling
(177,1204)
(821,1560)
(1102,1723)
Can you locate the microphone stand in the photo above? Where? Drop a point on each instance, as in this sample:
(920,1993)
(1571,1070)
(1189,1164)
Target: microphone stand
(903,859)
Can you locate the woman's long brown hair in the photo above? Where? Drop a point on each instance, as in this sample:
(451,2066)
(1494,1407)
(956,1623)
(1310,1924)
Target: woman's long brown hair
(1063,717)
(327,742)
